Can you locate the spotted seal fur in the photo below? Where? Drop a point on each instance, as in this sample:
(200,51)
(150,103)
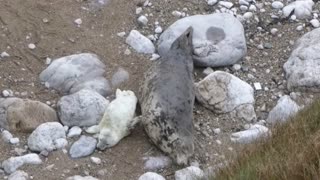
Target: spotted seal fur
(167,100)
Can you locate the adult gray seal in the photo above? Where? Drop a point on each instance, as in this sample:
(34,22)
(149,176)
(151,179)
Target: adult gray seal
(167,100)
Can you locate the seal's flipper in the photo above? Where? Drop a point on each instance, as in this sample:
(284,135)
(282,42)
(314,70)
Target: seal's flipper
(184,42)
(93,129)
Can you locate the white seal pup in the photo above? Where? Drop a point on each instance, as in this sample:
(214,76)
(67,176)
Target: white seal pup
(117,120)
(167,100)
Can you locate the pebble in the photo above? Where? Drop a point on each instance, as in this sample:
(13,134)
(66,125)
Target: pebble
(277,5)
(7,93)
(139,10)
(48,61)
(243,8)
(217,131)
(315,23)
(274,31)
(212,2)
(83,147)
(252,8)
(4,54)
(257,86)
(6,136)
(14,141)
(226,4)
(244,3)
(158,30)
(248,15)
(31,46)
(154,57)
(177,14)
(299,28)
(12,164)
(74,131)
(143,20)
(208,71)
(121,34)
(78,21)
(267,45)
(236,67)
(95,160)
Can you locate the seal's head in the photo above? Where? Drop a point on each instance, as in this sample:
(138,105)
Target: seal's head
(183,150)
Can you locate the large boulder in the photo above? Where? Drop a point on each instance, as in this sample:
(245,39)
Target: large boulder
(47,137)
(303,67)
(24,115)
(84,108)
(285,109)
(218,39)
(75,72)
(222,92)
(301,9)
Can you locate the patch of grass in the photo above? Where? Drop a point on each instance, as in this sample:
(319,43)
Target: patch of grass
(293,152)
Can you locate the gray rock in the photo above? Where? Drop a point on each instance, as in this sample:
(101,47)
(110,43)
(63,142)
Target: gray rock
(83,108)
(140,43)
(157,163)
(6,136)
(12,164)
(24,115)
(75,72)
(224,93)
(119,77)
(303,67)
(151,176)
(83,147)
(18,175)
(284,109)
(302,9)
(218,39)
(189,173)
(253,133)
(77,177)
(45,137)
(74,131)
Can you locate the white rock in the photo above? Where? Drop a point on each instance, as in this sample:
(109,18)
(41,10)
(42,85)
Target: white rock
(243,8)
(226,4)
(73,73)
(315,23)
(154,57)
(139,10)
(117,120)
(83,108)
(143,20)
(12,164)
(158,30)
(244,2)
(274,31)
(212,2)
(60,143)
(302,9)
(257,86)
(18,175)
(4,55)
(78,21)
(74,131)
(277,5)
(31,46)
(157,163)
(121,34)
(44,137)
(6,136)
(77,177)
(189,173)
(151,176)
(95,160)
(177,14)
(218,39)
(208,71)
(7,93)
(217,131)
(284,109)
(303,67)
(48,61)
(140,43)
(252,8)
(236,67)
(224,93)
(85,146)
(299,28)
(253,133)
(248,15)
(14,141)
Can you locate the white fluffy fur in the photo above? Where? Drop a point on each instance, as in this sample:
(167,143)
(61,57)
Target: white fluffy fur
(117,120)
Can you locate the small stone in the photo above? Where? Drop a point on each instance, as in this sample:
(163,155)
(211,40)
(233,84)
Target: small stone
(139,10)
(277,5)
(6,136)
(315,23)
(257,86)
(78,21)
(217,131)
(248,15)
(121,34)
(189,173)
(18,175)
(299,28)
(212,2)
(236,67)
(158,30)
(74,131)
(14,140)
(151,176)
(252,8)
(7,93)
(31,46)
(267,45)
(226,4)
(12,164)
(45,20)
(143,20)
(4,54)
(260,46)
(154,57)
(48,61)
(177,14)
(218,142)
(208,71)
(274,31)
(95,160)
(83,147)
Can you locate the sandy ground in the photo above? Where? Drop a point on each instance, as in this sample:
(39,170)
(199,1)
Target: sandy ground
(25,21)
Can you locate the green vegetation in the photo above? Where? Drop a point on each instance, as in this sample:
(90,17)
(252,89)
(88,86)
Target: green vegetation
(292,153)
